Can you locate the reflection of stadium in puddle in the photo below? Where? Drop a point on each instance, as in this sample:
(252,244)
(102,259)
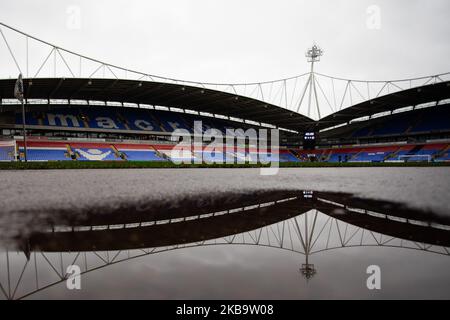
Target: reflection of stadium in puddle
(302,222)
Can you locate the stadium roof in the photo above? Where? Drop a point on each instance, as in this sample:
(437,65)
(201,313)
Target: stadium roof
(161,94)
(410,97)
(216,102)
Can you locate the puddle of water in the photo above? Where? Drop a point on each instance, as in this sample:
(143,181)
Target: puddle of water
(267,244)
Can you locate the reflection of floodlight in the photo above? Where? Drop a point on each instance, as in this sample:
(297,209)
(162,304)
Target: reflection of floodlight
(314,54)
(308,270)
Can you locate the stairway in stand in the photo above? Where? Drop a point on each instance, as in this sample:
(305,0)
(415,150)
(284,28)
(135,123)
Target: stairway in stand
(118,154)
(414,150)
(441,153)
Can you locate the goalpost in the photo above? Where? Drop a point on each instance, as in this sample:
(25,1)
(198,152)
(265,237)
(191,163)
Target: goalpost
(8,151)
(425,157)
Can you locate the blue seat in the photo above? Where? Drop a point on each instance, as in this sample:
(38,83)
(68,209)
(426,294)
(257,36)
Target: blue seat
(340,157)
(46,154)
(370,156)
(287,157)
(422,120)
(144,155)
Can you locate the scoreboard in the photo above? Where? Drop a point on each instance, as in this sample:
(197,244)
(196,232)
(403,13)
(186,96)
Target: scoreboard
(309,141)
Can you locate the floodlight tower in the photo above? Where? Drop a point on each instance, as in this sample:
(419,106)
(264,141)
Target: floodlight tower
(313,54)
(307,269)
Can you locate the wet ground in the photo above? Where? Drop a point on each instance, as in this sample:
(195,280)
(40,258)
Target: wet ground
(225,233)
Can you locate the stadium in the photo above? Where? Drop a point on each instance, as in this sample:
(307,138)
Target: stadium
(115,119)
(327,177)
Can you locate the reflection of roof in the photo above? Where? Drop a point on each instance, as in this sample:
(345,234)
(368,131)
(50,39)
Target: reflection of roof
(405,98)
(193,219)
(161,94)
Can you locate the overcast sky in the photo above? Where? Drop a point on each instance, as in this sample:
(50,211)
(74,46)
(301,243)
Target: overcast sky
(242,41)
